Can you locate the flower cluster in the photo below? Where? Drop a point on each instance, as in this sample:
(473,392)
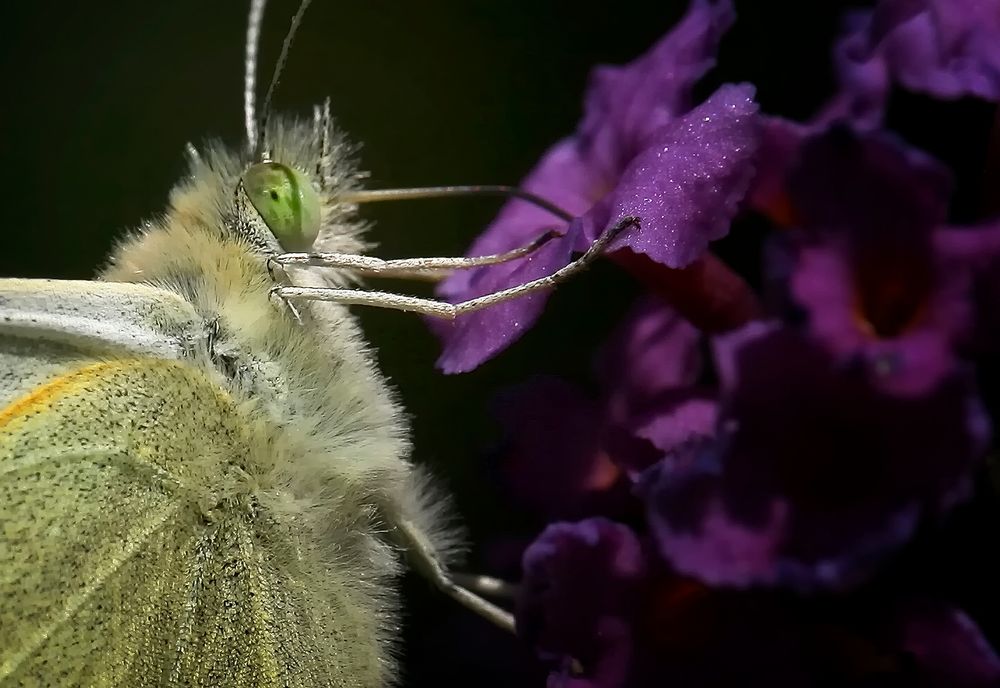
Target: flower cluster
(725,502)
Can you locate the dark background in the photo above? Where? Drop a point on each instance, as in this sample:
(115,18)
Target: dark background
(99,99)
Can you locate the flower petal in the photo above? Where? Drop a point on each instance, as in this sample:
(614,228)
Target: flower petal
(563,177)
(867,272)
(553,459)
(476,337)
(581,584)
(690,416)
(687,185)
(947,48)
(868,182)
(651,351)
(626,105)
(815,476)
(623,105)
(948,647)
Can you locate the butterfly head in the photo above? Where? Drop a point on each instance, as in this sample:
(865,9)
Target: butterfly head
(291,189)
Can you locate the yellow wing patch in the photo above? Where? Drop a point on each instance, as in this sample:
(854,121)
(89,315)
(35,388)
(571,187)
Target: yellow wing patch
(131,554)
(43,396)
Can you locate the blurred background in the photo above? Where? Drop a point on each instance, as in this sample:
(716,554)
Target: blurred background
(99,99)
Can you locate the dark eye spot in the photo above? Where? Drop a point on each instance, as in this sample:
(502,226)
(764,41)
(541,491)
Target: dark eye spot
(274,195)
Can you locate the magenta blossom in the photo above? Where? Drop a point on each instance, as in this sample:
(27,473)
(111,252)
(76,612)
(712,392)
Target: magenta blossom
(944,48)
(568,453)
(868,272)
(602,612)
(815,474)
(642,149)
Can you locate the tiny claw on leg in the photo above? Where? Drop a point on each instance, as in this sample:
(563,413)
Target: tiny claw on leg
(486,585)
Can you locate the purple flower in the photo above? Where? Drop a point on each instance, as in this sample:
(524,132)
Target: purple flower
(867,271)
(815,474)
(554,461)
(977,248)
(578,601)
(601,612)
(945,48)
(566,449)
(640,150)
(687,183)
(648,370)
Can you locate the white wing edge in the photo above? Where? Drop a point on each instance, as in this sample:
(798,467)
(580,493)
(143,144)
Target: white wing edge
(112,317)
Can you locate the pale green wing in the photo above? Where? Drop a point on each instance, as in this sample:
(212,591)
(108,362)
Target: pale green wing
(133,553)
(101,316)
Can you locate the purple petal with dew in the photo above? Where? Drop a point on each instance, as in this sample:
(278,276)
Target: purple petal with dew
(625,105)
(579,171)
(687,186)
(622,103)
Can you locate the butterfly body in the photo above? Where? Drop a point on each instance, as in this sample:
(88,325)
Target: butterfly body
(198,484)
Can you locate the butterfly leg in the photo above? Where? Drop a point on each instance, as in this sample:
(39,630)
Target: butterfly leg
(431,269)
(487,586)
(426,562)
(446,310)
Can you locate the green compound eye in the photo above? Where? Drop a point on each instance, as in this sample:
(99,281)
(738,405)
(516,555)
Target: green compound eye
(286,202)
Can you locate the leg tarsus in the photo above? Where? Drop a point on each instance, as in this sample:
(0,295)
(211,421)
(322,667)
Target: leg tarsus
(449,311)
(428,565)
(487,586)
(418,268)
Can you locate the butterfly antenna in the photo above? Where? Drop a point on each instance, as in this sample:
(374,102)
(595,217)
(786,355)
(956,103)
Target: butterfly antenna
(362,196)
(282,59)
(254,22)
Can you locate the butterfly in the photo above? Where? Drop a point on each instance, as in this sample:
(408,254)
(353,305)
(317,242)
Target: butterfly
(204,478)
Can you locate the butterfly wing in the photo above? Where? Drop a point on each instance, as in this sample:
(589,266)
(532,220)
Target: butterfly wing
(131,551)
(101,317)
